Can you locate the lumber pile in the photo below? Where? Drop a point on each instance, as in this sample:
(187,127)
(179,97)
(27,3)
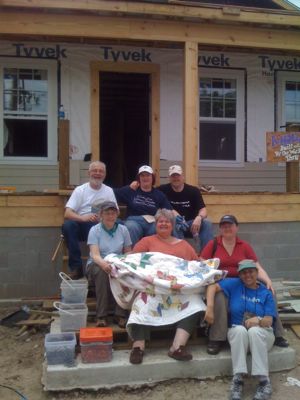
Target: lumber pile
(289,305)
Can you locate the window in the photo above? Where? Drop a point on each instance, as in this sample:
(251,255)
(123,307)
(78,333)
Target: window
(221,116)
(288,99)
(28,113)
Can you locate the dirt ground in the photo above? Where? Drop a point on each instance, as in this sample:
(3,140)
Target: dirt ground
(21,369)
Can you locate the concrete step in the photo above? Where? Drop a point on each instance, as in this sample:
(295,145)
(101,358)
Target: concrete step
(156,367)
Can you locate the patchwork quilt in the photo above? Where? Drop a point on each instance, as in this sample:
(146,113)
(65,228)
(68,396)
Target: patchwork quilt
(160,289)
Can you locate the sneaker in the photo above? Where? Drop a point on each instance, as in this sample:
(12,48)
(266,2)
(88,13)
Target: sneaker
(236,389)
(263,391)
(281,342)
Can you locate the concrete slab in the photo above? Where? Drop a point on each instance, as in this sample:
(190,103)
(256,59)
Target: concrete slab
(156,367)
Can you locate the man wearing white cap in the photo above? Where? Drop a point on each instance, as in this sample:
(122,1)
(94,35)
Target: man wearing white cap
(187,202)
(142,204)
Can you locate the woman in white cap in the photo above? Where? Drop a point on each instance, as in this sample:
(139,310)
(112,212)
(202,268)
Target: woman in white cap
(230,249)
(142,204)
(252,314)
(104,238)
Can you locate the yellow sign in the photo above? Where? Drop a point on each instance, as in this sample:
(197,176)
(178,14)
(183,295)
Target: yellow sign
(283,146)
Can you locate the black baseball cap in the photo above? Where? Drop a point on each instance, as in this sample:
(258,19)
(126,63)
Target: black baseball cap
(228,219)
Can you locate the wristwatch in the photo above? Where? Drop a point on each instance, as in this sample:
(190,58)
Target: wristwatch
(259,320)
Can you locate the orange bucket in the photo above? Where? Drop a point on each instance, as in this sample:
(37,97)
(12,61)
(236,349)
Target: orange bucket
(92,335)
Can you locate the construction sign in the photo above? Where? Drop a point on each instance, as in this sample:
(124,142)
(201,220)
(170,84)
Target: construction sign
(283,146)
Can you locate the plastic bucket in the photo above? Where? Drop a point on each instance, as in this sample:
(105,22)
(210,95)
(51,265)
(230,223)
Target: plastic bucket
(72,316)
(73,291)
(60,348)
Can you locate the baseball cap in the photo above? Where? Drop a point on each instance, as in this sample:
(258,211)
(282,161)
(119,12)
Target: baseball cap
(230,219)
(246,264)
(175,169)
(145,168)
(106,205)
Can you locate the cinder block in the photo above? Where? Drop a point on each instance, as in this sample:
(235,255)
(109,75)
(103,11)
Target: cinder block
(3,260)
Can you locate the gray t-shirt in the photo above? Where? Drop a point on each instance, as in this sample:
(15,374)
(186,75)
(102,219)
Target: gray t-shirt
(108,244)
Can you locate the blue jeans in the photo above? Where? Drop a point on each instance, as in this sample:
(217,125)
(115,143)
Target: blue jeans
(138,227)
(75,232)
(205,233)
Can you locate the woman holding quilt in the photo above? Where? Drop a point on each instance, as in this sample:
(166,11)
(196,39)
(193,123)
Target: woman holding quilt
(164,242)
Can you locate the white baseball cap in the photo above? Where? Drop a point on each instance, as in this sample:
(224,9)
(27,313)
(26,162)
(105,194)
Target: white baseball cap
(175,169)
(145,168)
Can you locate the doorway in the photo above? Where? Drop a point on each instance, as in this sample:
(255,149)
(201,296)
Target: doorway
(124,124)
(143,79)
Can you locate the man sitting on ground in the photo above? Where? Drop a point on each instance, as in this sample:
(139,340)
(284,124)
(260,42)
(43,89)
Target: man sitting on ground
(80,214)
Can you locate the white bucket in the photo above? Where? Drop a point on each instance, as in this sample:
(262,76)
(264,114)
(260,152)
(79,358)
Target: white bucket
(72,316)
(74,292)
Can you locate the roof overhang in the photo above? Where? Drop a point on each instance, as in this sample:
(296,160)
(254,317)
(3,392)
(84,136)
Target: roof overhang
(161,23)
(185,11)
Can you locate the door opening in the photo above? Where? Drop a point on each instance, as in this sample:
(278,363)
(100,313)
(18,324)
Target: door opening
(124,124)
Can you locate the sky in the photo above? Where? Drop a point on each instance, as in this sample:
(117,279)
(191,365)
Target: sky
(296,2)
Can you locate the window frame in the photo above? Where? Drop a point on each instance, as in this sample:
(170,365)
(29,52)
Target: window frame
(52,122)
(239,76)
(282,78)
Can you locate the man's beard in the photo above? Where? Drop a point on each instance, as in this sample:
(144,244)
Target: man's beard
(96,181)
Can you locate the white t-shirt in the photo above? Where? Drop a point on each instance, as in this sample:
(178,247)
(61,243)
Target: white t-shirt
(84,196)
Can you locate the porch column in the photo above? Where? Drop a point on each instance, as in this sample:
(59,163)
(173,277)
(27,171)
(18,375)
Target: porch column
(191,113)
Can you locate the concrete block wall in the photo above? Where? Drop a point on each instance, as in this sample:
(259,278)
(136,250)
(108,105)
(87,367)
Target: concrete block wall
(26,269)
(277,247)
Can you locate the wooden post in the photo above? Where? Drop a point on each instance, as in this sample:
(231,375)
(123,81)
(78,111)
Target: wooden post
(63,153)
(191,113)
(292,167)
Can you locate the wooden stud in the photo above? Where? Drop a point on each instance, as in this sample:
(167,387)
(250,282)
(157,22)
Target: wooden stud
(292,167)
(191,113)
(63,153)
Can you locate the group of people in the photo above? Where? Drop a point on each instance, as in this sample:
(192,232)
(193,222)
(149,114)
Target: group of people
(241,308)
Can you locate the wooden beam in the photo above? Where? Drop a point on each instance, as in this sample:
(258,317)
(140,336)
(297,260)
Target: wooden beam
(191,113)
(63,153)
(155,123)
(95,112)
(292,167)
(55,25)
(199,12)
(48,211)
(292,176)
(34,201)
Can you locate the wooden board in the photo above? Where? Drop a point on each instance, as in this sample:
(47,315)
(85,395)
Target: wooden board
(30,322)
(196,11)
(296,330)
(294,292)
(95,26)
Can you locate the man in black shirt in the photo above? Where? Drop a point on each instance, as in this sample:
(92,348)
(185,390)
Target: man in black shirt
(187,202)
